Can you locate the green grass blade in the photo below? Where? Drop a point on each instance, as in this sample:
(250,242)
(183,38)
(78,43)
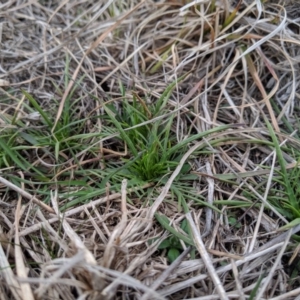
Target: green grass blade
(163,99)
(164,222)
(290,192)
(180,145)
(254,291)
(38,108)
(122,132)
(7,150)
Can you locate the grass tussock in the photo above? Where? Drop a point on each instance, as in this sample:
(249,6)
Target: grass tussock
(149,150)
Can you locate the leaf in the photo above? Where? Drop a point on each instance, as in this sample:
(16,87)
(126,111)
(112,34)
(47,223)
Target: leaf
(290,225)
(164,244)
(155,68)
(232,15)
(164,221)
(13,155)
(163,99)
(173,253)
(38,108)
(29,138)
(185,226)
(198,136)
(254,291)
(121,130)
(287,184)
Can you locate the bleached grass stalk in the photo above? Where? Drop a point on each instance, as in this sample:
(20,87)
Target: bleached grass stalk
(164,275)
(78,243)
(263,206)
(78,210)
(20,264)
(179,40)
(79,246)
(206,258)
(293,293)
(89,50)
(110,250)
(25,194)
(274,266)
(237,279)
(167,186)
(210,198)
(60,270)
(9,277)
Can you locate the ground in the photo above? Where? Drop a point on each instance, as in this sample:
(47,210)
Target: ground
(149,149)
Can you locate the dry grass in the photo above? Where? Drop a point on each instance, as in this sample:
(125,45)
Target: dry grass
(69,232)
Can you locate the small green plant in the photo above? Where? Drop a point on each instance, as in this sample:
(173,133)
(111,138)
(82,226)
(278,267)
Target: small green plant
(28,144)
(149,142)
(255,290)
(66,141)
(286,193)
(233,221)
(173,244)
(173,247)
(146,128)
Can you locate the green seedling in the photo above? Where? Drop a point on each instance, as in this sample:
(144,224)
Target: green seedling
(255,290)
(173,244)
